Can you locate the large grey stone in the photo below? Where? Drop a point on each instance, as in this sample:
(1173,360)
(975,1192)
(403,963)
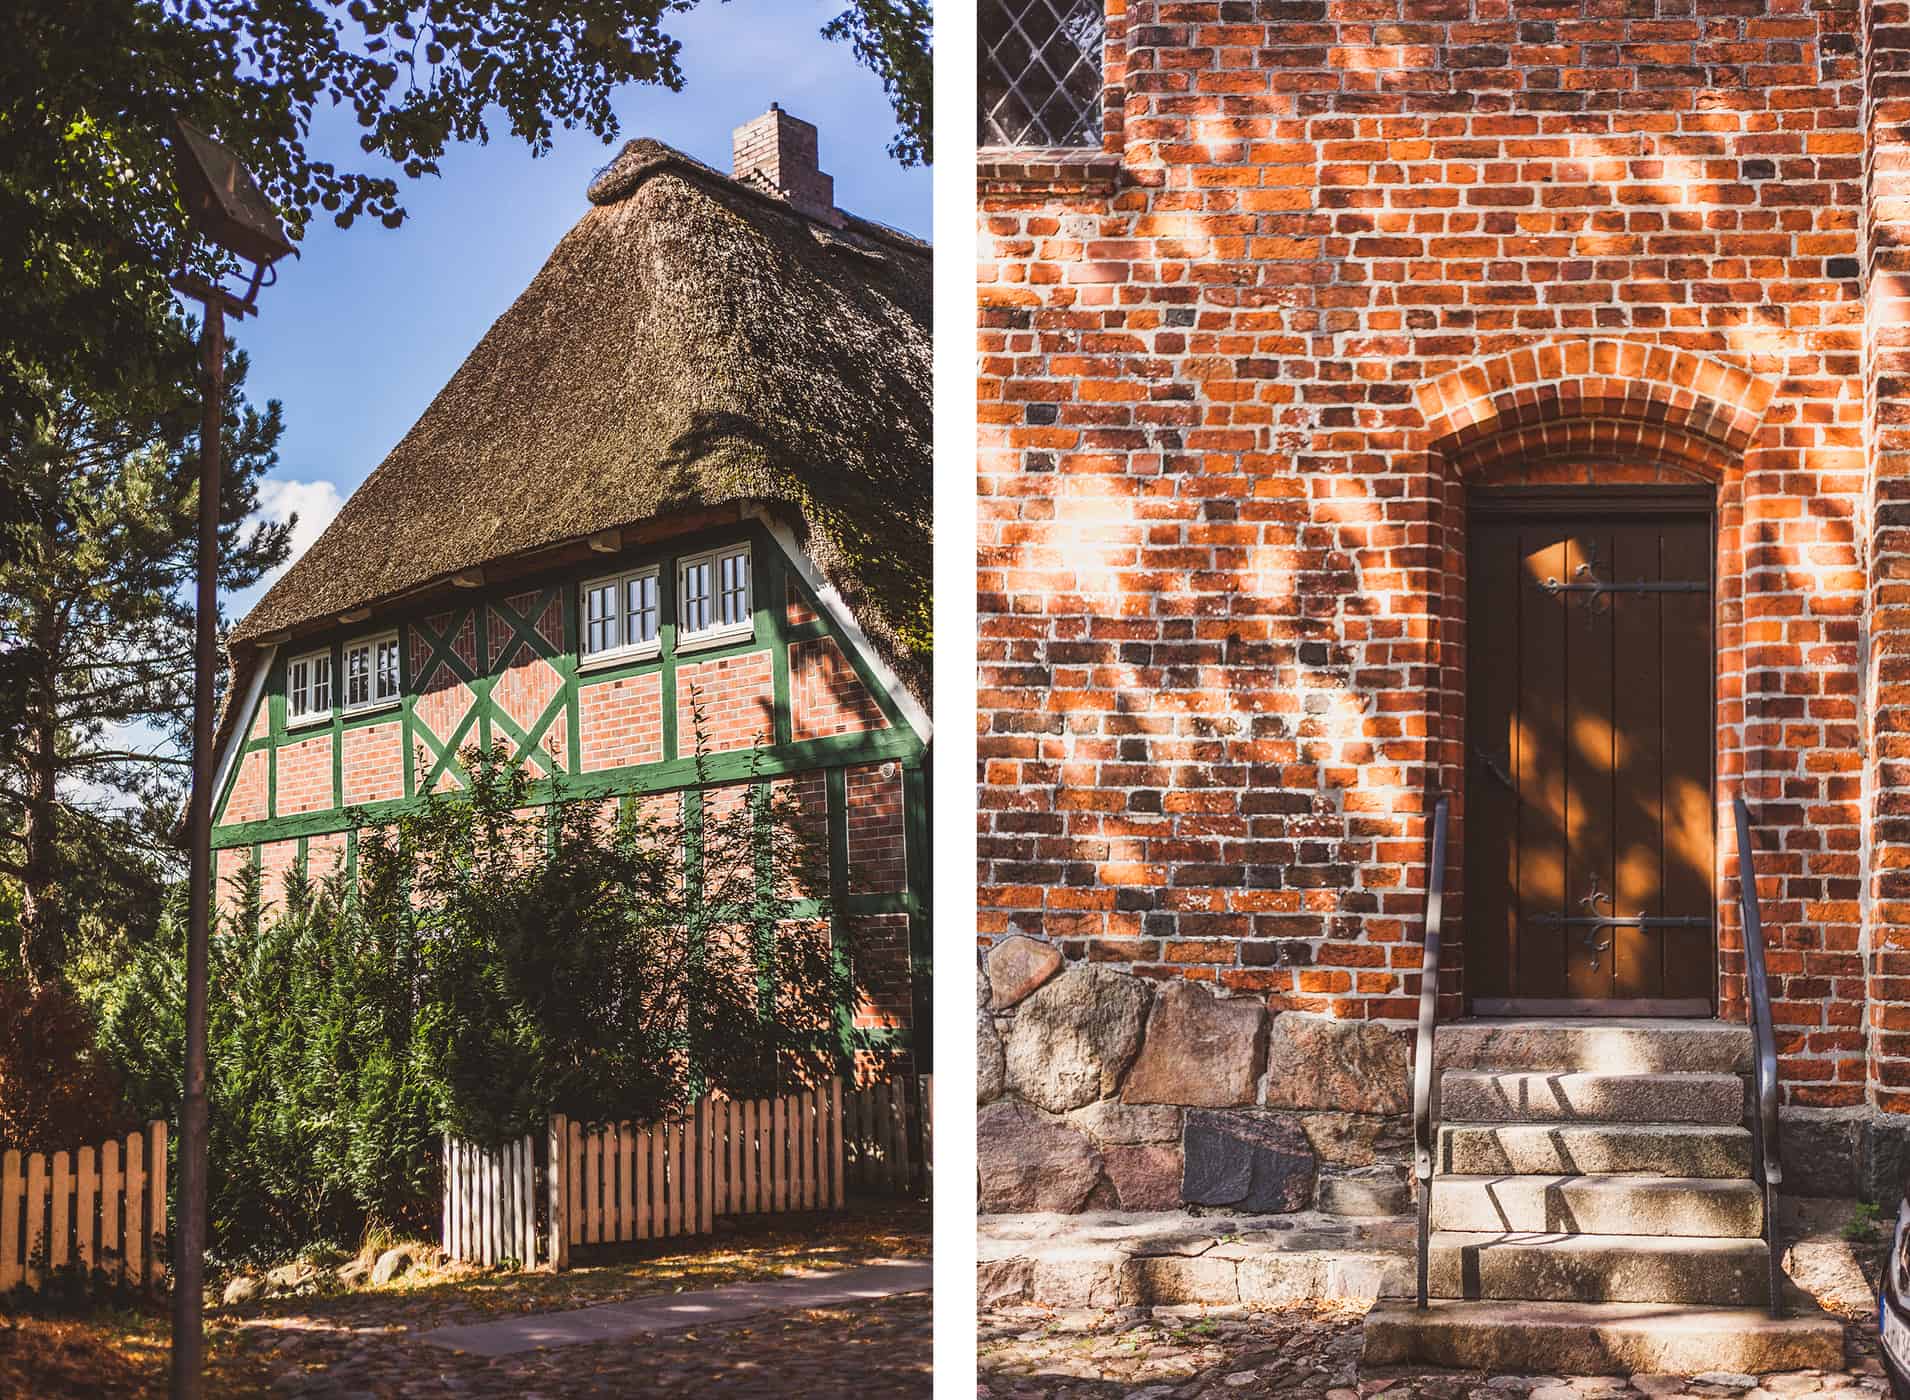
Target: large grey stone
(1110,1121)
(991,1067)
(1357,1139)
(1027,1160)
(1018,965)
(1321,1062)
(1246,1161)
(1073,1039)
(1616,1046)
(1366,1191)
(1819,1154)
(392,1264)
(1145,1177)
(1201,1050)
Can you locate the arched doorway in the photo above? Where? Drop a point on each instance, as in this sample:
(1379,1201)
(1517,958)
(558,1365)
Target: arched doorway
(1590,754)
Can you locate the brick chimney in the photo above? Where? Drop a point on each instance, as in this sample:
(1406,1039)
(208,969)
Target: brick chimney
(777,152)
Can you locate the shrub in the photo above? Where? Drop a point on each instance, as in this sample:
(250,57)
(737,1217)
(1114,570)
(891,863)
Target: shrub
(494,962)
(56,1091)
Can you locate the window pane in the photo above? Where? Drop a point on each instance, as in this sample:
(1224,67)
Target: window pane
(600,627)
(697,604)
(297,695)
(1040,75)
(735,599)
(387,670)
(358,676)
(640,608)
(321,684)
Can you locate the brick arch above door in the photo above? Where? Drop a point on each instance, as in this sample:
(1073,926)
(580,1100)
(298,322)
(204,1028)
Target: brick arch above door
(1586,401)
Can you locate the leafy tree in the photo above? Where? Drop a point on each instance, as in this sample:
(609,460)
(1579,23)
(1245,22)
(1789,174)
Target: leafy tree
(892,39)
(90,225)
(55,1089)
(96,633)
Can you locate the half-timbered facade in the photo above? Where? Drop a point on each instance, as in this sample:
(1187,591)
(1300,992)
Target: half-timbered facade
(642,567)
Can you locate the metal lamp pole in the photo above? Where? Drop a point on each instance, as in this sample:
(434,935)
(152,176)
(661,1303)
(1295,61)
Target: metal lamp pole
(226,205)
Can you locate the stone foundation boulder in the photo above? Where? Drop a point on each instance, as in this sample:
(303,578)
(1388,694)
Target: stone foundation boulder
(1201,1050)
(1016,967)
(1252,1162)
(1320,1062)
(1028,1160)
(1072,1040)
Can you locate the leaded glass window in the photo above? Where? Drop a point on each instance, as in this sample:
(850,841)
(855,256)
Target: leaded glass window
(1041,72)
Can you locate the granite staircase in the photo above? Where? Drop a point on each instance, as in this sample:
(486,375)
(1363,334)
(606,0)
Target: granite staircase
(1593,1209)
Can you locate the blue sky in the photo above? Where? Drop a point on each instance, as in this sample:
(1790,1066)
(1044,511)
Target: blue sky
(368,323)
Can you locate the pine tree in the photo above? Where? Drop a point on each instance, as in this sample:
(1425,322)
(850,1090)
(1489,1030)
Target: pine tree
(96,632)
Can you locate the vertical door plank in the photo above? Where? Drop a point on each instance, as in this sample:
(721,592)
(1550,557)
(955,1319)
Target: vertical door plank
(835,1141)
(156,1135)
(1587,758)
(558,1178)
(1496,592)
(1538,756)
(1690,808)
(574,1163)
(1638,704)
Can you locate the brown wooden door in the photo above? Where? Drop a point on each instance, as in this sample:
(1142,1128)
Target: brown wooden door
(1589,775)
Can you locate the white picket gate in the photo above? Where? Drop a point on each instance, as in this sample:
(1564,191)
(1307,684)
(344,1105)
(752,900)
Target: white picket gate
(102,1207)
(602,1183)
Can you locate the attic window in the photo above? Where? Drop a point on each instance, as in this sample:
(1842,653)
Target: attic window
(371,672)
(713,595)
(1041,72)
(308,688)
(622,615)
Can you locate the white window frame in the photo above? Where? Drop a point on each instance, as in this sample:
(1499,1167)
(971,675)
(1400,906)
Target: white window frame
(623,650)
(313,715)
(719,632)
(375,701)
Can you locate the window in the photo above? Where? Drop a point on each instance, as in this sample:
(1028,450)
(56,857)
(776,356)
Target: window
(1041,72)
(713,594)
(371,672)
(308,687)
(621,615)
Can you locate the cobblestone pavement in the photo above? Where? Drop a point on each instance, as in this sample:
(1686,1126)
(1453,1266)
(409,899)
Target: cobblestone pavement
(1197,1353)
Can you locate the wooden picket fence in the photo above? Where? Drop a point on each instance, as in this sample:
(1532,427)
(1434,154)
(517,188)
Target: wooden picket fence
(100,1207)
(890,1132)
(608,1182)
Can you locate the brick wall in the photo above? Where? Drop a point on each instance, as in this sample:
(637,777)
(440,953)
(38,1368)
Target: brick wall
(621,721)
(305,776)
(1231,402)
(246,802)
(826,695)
(876,830)
(737,699)
(374,763)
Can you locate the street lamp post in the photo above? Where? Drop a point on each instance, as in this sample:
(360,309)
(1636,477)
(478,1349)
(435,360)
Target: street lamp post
(226,207)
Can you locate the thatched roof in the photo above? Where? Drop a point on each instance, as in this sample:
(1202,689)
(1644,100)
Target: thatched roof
(692,342)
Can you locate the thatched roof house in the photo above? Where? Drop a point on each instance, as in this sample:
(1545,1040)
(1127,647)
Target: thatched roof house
(697,342)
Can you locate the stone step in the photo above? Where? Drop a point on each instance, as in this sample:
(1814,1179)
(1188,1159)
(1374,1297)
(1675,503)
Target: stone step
(1615,1046)
(1553,1268)
(1579,1149)
(1600,1205)
(1517,1096)
(1590,1339)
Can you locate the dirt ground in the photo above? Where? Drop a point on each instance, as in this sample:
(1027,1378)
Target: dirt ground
(364,1343)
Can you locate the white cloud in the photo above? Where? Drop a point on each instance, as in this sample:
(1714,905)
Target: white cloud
(313,502)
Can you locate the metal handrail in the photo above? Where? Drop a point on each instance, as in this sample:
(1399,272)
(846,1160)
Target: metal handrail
(1764,1141)
(1423,1046)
